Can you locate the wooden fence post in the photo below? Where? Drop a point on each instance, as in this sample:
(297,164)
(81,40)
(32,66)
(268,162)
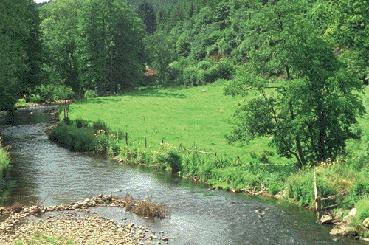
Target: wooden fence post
(145,142)
(126,137)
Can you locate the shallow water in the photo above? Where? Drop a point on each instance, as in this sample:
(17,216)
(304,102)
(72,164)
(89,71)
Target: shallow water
(48,174)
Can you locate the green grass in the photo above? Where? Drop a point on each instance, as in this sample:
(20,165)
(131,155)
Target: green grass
(4,161)
(198,116)
(38,239)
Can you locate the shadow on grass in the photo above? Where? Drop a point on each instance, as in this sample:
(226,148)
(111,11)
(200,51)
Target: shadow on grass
(143,92)
(154,92)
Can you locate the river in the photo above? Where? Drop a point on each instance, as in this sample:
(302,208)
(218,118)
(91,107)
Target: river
(46,173)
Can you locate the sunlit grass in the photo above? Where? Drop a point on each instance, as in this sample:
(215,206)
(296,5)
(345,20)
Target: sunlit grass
(194,117)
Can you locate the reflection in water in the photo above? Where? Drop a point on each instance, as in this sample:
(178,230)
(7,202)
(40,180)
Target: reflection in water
(52,175)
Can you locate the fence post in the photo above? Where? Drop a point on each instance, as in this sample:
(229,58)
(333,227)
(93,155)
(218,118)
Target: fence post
(126,137)
(145,142)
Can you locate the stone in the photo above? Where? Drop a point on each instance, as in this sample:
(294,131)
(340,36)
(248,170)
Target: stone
(353,212)
(366,223)
(164,239)
(344,230)
(326,219)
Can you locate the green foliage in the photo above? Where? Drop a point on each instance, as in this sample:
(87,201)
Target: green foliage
(75,139)
(4,161)
(100,125)
(88,41)
(168,157)
(50,93)
(89,94)
(300,188)
(308,97)
(362,207)
(148,15)
(19,50)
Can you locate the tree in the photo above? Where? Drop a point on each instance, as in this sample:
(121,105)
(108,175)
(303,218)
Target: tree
(305,98)
(352,33)
(111,46)
(60,37)
(93,44)
(147,13)
(19,57)
(160,49)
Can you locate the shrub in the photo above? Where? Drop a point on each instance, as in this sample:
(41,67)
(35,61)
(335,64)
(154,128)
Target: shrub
(75,139)
(80,123)
(100,125)
(168,158)
(362,207)
(222,70)
(300,187)
(89,94)
(4,161)
(145,208)
(51,93)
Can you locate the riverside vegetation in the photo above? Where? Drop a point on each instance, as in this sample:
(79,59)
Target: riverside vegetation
(297,72)
(189,140)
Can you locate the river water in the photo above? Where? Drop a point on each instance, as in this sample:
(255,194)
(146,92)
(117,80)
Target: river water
(46,173)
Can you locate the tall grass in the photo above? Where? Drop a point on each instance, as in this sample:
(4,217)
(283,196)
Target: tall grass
(4,161)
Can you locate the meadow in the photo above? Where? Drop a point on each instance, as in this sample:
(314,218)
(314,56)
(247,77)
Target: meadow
(197,117)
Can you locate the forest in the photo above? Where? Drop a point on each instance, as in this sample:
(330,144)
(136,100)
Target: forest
(254,96)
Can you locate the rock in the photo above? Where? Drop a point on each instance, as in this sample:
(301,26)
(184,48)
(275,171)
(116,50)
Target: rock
(344,230)
(353,212)
(164,239)
(366,223)
(326,219)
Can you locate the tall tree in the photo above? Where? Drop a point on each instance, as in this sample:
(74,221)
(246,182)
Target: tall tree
(148,15)
(112,45)
(306,98)
(19,57)
(60,36)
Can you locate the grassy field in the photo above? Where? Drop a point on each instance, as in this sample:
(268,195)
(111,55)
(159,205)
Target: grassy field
(199,116)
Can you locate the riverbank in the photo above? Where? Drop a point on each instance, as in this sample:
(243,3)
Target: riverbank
(341,185)
(73,223)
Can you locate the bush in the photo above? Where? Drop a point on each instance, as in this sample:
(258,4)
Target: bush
(169,158)
(89,94)
(80,123)
(222,70)
(100,125)
(300,187)
(362,207)
(75,139)
(50,93)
